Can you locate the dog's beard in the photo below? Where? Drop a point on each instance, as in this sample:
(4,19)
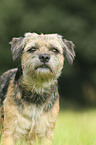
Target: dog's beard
(42,72)
(38,78)
(38,71)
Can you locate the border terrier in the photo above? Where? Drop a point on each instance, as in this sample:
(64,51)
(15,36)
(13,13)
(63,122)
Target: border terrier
(29,98)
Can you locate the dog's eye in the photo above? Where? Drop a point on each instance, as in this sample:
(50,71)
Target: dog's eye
(33,49)
(55,50)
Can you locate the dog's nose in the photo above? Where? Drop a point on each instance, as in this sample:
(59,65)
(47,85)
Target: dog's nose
(44,58)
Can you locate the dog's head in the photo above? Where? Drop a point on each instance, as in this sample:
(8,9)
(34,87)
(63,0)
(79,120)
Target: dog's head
(42,56)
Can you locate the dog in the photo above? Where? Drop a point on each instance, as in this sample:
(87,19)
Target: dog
(29,98)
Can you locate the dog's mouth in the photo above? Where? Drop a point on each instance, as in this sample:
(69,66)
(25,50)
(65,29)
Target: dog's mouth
(43,66)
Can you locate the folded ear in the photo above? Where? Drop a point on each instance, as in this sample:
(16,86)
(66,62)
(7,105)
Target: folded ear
(17,46)
(69,51)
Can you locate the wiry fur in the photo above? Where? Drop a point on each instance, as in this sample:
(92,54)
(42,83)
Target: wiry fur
(29,99)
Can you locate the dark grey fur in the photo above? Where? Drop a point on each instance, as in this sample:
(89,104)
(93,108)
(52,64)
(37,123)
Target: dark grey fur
(4,82)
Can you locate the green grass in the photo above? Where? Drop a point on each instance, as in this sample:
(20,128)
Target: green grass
(75,128)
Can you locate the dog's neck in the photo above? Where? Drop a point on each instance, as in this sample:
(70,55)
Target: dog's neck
(37,85)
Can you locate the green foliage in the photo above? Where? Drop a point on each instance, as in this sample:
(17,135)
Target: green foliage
(75,20)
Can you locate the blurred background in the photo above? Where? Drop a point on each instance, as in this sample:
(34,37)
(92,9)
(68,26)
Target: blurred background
(76,21)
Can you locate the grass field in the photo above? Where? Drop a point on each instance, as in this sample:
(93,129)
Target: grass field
(75,128)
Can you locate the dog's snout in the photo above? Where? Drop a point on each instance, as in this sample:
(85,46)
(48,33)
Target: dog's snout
(44,58)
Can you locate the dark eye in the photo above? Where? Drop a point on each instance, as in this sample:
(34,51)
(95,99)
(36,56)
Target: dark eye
(33,49)
(55,50)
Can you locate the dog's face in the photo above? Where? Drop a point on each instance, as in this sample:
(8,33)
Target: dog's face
(42,56)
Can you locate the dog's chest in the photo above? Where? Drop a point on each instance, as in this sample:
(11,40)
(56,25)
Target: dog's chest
(34,117)
(29,119)
(32,111)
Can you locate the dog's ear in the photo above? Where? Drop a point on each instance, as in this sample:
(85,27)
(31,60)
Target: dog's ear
(69,51)
(17,46)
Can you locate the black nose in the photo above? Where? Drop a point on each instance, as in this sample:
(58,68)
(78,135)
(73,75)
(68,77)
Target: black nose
(44,58)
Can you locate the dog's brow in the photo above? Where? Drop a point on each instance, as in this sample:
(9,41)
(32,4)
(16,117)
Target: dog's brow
(57,46)
(29,45)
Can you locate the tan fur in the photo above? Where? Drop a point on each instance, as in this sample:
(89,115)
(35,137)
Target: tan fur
(25,118)
(29,122)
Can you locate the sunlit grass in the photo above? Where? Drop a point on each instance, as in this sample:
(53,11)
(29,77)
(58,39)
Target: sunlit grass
(75,128)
